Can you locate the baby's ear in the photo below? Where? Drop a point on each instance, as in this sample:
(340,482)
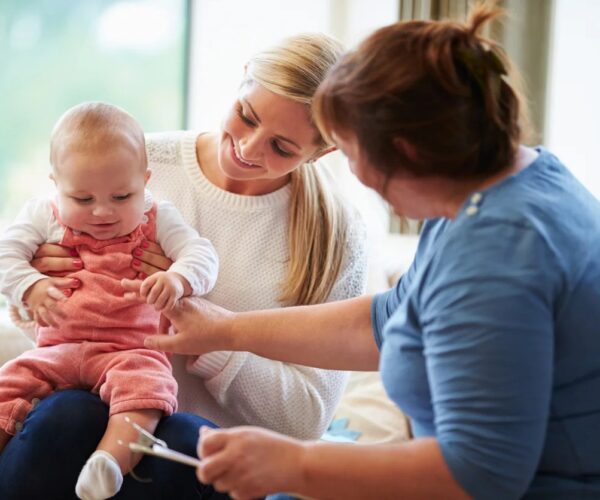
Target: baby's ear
(51,177)
(148,175)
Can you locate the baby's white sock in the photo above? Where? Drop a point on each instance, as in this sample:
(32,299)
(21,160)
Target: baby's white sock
(100,477)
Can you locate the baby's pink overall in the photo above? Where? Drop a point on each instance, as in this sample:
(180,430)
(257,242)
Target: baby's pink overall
(100,344)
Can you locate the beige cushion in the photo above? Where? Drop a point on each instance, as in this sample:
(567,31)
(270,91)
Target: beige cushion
(12,341)
(371,412)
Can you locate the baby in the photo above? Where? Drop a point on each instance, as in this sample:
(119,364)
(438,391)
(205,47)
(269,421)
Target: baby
(93,338)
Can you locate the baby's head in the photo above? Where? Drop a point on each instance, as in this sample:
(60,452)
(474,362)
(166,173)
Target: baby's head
(99,166)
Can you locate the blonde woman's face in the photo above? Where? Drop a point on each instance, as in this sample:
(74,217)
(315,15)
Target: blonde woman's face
(264,138)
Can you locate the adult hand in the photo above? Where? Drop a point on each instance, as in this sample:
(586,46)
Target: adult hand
(59,261)
(249,462)
(149,258)
(199,325)
(56,260)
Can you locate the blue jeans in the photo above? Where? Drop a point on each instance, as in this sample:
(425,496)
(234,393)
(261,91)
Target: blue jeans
(44,459)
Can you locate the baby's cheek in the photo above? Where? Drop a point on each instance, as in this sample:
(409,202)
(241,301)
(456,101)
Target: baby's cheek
(70,216)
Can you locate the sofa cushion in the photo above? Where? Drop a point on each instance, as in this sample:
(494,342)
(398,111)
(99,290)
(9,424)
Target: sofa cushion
(12,341)
(370,412)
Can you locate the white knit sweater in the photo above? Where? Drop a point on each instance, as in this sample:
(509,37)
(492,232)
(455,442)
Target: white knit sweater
(250,236)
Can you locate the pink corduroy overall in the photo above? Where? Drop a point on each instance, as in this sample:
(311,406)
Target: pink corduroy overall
(100,344)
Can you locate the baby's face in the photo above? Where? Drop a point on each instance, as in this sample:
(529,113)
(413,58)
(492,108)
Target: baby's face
(101,192)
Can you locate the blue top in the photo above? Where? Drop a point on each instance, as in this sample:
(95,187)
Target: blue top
(491,341)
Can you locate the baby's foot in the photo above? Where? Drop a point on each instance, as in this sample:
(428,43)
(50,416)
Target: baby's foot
(100,477)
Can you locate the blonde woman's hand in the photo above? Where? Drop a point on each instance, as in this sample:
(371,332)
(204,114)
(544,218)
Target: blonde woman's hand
(199,327)
(56,260)
(249,462)
(148,259)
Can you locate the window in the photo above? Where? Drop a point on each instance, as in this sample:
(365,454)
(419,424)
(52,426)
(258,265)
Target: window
(57,53)
(574,80)
(226,33)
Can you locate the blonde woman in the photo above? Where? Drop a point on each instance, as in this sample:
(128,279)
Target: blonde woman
(283,238)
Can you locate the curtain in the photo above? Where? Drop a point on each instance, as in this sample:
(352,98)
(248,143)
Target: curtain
(524,33)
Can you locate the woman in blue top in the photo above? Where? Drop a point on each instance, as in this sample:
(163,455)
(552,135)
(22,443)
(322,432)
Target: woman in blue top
(491,341)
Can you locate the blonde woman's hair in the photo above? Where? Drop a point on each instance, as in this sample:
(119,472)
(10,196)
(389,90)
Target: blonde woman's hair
(317,221)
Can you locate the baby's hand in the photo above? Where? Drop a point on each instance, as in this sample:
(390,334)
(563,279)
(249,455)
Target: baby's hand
(43,299)
(163,289)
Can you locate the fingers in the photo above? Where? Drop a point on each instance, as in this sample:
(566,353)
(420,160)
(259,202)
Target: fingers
(211,441)
(151,288)
(146,269)
(165,300)
(154,290)
(132,288)
(58,295)
(165,343)
(131,285)
(49,312)
(56,264)
(163,325)
(149,263)
(51,250)
(66,284)
(214,464)
(45,318)
(226,479)
(38,317)
(52,305)
(151,247)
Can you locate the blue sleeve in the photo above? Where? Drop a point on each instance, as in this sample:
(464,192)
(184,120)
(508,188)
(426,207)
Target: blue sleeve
(488,340)
(385,304)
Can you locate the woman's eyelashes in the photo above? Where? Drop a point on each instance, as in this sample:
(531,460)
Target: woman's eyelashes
(280,151)
(274,143)
(248,121)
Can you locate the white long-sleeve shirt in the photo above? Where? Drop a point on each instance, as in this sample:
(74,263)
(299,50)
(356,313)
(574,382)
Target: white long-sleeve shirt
(194,256)
(250,235)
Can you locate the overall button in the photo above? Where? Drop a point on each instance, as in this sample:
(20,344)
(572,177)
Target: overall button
(18,426)
(35,402)
(471,210)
